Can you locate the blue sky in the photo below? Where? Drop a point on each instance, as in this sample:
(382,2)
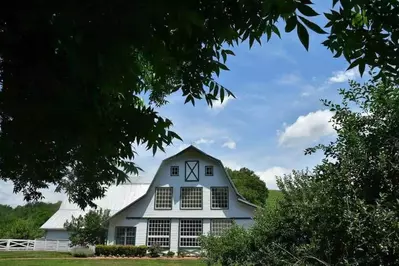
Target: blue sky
(277,112)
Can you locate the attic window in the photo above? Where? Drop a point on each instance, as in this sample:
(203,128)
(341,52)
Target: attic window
(209,170)
(163,198)
(219,197)
(191,198)
(174,170)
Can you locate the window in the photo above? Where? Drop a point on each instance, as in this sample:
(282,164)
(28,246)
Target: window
(219,198)
(218,225)
(158,232)
(125,235)
(191,198)
(163,198)
(190,230)
(209,170)
(174,170)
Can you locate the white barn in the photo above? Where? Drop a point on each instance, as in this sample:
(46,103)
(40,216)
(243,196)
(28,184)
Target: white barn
(190,195)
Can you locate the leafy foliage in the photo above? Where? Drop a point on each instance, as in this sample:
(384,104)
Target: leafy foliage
(23,222)
(231,248)
(90,229)
(118,250)
(72,74)
(249,185)
(345,211)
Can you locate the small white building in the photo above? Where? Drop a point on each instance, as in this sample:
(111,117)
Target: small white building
(190,195)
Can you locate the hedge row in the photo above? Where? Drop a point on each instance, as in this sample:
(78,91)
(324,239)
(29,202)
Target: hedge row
(117,250)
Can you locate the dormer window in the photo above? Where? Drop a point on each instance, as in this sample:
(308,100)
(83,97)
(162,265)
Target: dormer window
(209,170)
(174,170)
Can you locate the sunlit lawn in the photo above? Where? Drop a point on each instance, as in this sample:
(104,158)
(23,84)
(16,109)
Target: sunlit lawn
(98,262)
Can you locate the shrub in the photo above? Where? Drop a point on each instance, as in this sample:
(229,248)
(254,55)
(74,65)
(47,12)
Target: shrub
(170,254)
(231,248)
(119,250)
(154,250)
(82,252)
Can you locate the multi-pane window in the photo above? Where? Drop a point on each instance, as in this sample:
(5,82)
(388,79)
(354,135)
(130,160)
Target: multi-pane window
(219,198)
(190,230)
(125,235)
(174,170)
(158,232)
(191,198)
(163,198)
(209,170)
(219,225)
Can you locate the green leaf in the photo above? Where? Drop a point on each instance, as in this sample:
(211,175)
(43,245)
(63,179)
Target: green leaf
(303,35)
(221,94)
(355,63)
(316,28)
(276,31)
(291,24)
(251,40)
(362,67)
(307,10)
(230,52)
(268,33)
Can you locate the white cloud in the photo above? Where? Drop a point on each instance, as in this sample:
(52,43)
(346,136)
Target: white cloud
(289,79)
(229,144)
(204,141)
(269,175)
(344,76)
(218,105)
(308,128)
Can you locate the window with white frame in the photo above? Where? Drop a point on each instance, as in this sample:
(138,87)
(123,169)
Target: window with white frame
(209,170)
(158,232)
(219,197)
(190,230)
(219,225)
(174,170)
(191,198)
(125,235)
(163,198)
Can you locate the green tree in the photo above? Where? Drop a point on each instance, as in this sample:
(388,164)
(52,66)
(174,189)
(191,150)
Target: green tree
(249,185)
(345,211)
(72,74)
(23,222)
(90,229)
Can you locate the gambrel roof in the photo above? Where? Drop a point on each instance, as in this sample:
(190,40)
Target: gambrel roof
(240,198)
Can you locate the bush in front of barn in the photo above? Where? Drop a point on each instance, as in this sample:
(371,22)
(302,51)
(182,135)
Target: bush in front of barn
(119,250)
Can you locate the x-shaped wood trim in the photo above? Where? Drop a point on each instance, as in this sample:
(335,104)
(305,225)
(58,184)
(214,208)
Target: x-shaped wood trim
(192,171)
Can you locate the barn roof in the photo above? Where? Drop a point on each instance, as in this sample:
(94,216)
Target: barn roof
(116,198)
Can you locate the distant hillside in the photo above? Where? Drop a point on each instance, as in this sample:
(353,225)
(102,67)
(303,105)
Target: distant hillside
(23,222)
(274,196)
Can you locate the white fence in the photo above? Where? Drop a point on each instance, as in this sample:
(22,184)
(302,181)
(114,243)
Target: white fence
(42,245)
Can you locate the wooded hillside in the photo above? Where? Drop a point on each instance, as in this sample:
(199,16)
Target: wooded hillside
(23,222)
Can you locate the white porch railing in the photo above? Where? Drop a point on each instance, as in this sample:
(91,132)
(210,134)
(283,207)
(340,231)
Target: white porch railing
(42,245)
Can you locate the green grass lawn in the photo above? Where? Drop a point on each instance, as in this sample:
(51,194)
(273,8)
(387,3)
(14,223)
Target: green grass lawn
(98,262)
(274,196)
(33,254)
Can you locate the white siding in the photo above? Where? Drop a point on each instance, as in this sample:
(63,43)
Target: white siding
(141,229)
(246,223)
(145,206)
(174,235)
(56,235)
